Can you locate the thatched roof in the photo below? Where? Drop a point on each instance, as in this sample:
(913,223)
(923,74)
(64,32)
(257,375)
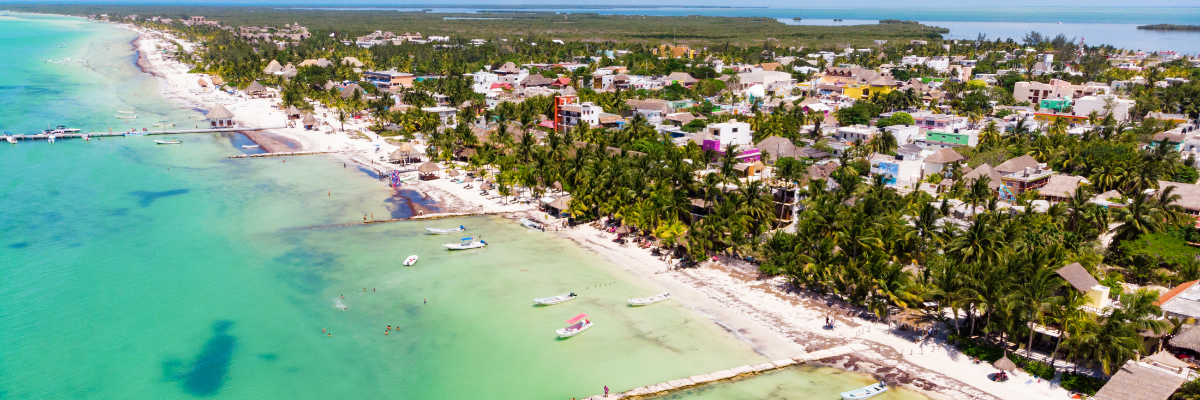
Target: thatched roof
(1166,359)
(216,80)
(273,67)
(682,118)
(569,91)
(292,110)
(309,119)
(683,78)
(255,87)
(219,112)
(428,167)
(399,154)
(562,203)
(452,172)
(984,170)
(1188,338)
(1061,186)
(778,147)
(1017,164)
(1136,381)
(465,152)
(1189,194)
(556,185)
(1078,277)
(202,82)
(1004,364)
(485,186)
(945,156)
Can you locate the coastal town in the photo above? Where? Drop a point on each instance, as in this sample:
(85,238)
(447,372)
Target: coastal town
(990,219)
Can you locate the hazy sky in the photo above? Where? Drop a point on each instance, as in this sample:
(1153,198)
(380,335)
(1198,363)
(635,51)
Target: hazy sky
(738,3)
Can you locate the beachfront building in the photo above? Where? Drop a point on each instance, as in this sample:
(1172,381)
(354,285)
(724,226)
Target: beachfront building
(729,132)
(942,139)
(389,80)
(1035,92)
(1103,105)
(219,117)
(447,115)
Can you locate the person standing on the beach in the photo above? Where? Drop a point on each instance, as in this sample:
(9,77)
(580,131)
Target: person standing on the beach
(605,390)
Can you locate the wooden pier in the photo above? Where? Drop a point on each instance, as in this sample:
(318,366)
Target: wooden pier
(79,135)
(729,374)
(282,154)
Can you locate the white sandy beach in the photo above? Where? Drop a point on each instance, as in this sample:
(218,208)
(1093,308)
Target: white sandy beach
(778,323)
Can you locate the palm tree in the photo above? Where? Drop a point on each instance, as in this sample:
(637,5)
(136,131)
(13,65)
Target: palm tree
(342,118)
(1066,311)
(1140,216)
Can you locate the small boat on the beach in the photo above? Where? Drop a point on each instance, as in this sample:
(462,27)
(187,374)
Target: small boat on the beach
(410,260)
(645,301)
(562,298)
(249,146)
(575,326)
(866,392)
(530,224)
(172,141)
(440,231)
(466,244)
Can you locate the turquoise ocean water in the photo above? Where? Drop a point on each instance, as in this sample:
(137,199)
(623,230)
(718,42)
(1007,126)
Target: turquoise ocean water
(135,271)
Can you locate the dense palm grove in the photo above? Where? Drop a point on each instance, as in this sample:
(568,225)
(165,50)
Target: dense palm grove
(855,238)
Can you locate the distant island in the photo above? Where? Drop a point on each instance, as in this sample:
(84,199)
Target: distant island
(1170,27)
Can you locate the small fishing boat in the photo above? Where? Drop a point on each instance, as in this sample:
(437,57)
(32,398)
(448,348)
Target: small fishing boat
(575,326)
(408,178)
(172,141)
(125,112)
(562,298)
(249,146)
(439,231)
(123,116)
(11,139)
(466,244)
(86,137)
(645,301)
(410,260)
(530,224)
(865,393)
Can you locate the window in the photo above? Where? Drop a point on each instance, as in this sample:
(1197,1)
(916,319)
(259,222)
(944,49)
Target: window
(734,130)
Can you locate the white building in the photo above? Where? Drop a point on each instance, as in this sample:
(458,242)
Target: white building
(731,132)
(851,134)
(1103,105)
(904,134)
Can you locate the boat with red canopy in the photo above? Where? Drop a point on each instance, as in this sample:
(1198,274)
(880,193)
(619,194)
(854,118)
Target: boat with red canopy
(575,326)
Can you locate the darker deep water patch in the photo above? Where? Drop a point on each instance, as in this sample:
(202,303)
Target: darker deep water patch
(146,198)
(18,245)
(208,372)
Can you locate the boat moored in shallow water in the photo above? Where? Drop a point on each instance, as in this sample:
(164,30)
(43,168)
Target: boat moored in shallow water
(439,231)
(645,301)
(866,392)
(530,223)
(172,141)
(562,298)
(575,326)
(466,244)
(410,260)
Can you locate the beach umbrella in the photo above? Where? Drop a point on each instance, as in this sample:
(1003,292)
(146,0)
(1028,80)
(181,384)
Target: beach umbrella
(556,185)
(1004,364)
(485,186)
(468,180)
(405,147)
(490,180)
(452,173)
(623,229)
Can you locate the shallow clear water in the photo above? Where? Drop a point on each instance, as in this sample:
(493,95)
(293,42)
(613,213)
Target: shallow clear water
(795,383)
(135,271)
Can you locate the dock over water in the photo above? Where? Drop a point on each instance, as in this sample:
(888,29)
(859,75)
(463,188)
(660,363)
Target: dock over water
(80,135)
(729,374)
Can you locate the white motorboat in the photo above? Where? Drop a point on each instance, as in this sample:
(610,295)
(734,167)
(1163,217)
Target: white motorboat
(249,146)
(86,137)
(410,260)
(125,112)
(439,231)
(575,326)
(466,244)
(167,141)
(562,298)
(50,138)
(11,139)
(865,393)
(530,223)
(645,301)
(126,116)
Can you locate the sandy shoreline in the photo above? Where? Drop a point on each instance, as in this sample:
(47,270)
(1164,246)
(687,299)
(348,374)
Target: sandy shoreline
(775,319)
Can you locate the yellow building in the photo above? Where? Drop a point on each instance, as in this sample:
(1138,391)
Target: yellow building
(864,91)
(676,51)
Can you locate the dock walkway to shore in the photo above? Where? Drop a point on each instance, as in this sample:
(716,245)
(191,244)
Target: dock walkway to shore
(282,154)
(45,136)
(729,374)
